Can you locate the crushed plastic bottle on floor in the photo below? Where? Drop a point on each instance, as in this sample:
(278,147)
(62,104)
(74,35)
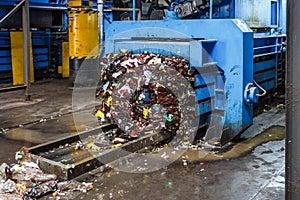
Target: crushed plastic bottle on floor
(25,181)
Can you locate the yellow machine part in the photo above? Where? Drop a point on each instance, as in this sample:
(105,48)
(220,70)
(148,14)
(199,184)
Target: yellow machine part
(59,69)
(83,34)
(16,40)
(65,60)
(80,3)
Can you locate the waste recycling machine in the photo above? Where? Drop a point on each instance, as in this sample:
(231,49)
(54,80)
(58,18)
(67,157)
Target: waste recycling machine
(236,66)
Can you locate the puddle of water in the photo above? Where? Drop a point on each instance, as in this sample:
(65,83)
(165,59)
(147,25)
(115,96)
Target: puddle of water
(50,128)
(242,148)
(9,148)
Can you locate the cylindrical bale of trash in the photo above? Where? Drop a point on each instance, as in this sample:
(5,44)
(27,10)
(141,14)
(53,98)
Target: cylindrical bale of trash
(133,95)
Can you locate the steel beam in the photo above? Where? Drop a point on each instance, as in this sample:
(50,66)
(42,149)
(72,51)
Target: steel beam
(133,10)
(15,9)
(26,48)
(210,9)
(292,101)
(100,20)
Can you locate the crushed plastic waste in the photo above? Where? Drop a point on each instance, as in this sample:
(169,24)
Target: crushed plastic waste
(169,184)
(202,164)
(149,101)
(25,180)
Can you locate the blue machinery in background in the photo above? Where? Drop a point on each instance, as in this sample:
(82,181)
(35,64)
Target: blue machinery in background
(48,24)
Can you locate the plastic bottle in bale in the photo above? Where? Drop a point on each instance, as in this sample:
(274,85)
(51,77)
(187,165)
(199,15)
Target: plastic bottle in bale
(149,102)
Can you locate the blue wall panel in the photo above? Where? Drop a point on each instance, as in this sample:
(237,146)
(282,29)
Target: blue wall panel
(264,65)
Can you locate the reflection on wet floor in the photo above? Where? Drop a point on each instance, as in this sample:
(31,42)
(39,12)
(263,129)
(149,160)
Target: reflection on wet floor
(258,175)
(255,176)
(241,148)
(44,131)
(9,148)
(50,128)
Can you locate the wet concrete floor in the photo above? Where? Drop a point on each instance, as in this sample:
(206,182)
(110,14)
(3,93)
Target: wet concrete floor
(257,175)
(21,122)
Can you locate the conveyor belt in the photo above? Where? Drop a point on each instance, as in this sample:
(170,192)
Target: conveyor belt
(65,158)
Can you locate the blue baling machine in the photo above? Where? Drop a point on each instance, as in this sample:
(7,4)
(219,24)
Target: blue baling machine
(220,50)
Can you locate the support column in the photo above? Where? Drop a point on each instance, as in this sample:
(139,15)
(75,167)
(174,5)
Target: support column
(133,10)
(26,50)
(293,101)
(211,9)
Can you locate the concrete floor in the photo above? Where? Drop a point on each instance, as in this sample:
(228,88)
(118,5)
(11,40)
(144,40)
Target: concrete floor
(257,175)
(21,122)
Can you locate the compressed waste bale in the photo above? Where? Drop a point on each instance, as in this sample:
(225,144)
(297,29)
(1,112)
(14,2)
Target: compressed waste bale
(149,101)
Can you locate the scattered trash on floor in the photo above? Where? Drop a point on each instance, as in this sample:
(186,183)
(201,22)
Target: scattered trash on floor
(25,180)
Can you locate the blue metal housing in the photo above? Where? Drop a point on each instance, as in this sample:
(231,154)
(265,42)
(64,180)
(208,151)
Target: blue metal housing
(221,50)
(242,57)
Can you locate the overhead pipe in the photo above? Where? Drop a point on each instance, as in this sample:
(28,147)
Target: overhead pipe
(292,191)
(49,7)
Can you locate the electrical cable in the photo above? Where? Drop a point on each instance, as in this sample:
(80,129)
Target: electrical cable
(261,88)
